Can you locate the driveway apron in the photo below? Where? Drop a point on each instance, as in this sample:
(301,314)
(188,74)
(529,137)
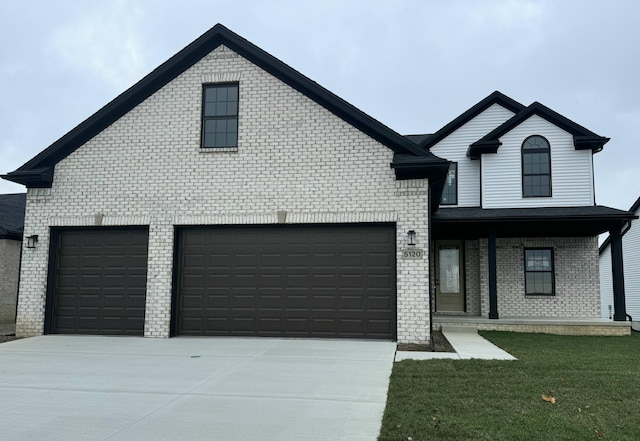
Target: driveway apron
(128,388)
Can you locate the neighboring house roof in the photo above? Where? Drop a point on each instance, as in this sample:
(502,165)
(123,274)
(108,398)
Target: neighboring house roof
(570,221)
(634,209)
(495,98)
(12,215)
(582,138)
(415,162)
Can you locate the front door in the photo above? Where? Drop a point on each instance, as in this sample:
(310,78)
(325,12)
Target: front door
(449,277)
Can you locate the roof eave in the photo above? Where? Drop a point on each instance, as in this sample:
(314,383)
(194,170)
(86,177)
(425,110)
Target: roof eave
(41,177)
(428,167)
(593,143)
(478,148)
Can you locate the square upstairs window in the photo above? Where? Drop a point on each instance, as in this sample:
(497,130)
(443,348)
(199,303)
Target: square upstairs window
(450,190)
(220,115)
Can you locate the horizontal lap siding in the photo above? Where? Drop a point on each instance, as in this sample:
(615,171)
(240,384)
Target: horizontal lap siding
(454,148)
(571,170)
(631,250)
(293,281)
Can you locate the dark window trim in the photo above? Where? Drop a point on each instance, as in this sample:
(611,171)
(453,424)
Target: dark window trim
(456,183)
(545,150)
(204,118)
(553,272)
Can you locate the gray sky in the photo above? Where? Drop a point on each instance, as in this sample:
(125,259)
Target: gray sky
(413,65)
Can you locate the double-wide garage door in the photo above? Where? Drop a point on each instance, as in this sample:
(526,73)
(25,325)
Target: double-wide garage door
(296,281)
(97,281)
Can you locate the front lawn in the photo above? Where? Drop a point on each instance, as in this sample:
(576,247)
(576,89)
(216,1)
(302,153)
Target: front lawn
(594,381)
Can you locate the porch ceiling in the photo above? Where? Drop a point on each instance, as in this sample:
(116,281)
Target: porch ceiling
(474,222)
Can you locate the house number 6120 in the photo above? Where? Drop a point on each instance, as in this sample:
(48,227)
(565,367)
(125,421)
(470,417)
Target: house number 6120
(412,253)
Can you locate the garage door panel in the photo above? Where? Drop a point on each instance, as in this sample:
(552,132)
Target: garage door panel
(99,284)
(286,280)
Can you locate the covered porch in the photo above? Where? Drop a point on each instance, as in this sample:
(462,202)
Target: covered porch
(528,270)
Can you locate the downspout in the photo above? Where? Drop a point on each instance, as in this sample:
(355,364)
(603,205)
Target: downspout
(631,320)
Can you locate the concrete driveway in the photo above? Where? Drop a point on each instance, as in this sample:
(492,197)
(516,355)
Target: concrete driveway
(128,388)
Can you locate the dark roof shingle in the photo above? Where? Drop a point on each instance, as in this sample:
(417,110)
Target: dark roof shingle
(12,215)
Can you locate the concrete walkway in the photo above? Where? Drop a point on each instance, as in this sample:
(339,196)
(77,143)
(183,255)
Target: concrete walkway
(466,342)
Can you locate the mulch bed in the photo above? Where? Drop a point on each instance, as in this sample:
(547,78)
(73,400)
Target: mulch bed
(440,342)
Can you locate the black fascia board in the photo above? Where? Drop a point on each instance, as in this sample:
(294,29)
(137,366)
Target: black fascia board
(420,167)
(479,148)
(464,224)
(494,98)
(180,62)
(582,137)
(476,214)
(432,167)
(41,177)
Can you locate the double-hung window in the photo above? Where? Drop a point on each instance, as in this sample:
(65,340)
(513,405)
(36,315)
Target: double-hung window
(536,167)
(539,271)
(220,115)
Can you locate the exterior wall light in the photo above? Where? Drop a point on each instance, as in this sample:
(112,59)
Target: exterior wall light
(411,238)
(32,241)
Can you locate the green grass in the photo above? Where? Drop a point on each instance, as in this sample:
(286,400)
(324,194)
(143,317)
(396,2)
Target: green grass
(595,381)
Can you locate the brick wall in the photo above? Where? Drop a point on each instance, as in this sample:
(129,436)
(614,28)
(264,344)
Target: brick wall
(9,273)
(472,277)
(148,169)
(577,279)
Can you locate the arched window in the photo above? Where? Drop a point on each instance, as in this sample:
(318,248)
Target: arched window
(536,167)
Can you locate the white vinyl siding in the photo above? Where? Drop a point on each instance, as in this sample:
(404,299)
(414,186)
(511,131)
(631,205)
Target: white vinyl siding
(571,170)
(631,253)
(631,259)
(454,148)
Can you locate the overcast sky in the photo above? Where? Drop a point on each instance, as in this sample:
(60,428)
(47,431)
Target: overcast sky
(413,65)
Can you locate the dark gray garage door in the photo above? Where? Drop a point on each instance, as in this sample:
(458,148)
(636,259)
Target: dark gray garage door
(98,281)
(293,281)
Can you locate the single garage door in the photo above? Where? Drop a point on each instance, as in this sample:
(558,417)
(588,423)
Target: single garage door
(290,281)
(97,281)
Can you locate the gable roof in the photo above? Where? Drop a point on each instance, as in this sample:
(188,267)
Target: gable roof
(634,209)
(582,138)
(494,98)
(12,215)
(38,172)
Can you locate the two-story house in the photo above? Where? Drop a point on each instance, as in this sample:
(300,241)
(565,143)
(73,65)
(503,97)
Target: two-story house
(227,194)
(515,236)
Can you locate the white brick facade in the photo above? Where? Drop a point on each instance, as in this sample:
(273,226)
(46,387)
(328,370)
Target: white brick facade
(293,155)
(577,282)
